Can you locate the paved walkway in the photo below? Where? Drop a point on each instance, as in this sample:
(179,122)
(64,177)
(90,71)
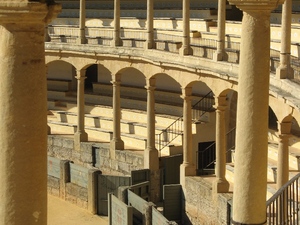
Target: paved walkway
(61,212)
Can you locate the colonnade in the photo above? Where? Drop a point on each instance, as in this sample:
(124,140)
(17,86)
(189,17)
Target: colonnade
(23,168)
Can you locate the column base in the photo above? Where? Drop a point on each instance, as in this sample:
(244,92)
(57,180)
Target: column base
(186,170)
(116,144)
(184,50)
(78,138)
(151,160)
(81,40)
(284,73)
(116,42)
(220,186)
(220,56)
(149,45)
(49,129)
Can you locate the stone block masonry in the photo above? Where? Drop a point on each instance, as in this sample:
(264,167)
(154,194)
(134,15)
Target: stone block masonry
(95,155)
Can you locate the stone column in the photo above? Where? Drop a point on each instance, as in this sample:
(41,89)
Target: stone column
(116,142)
(220,54)
(284,133)
(149,44)
(187,168)
(81,39)
(151,154)
(220,185)
(23,113)
(250,174)
(116,37)
(284,70)
(80,135)
(186,48)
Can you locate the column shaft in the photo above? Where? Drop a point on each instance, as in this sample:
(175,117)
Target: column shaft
(187,168)
(284,70)
(81,38)
(283,153)
(250,174)
(116,38)
(186,48)
(150,34)
(116,142)
(221,185)
(151,153)
(220,53)
(23,114)
(80,134)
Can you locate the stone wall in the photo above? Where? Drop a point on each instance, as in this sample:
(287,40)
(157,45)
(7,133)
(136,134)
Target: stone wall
(202,207)
(95,155)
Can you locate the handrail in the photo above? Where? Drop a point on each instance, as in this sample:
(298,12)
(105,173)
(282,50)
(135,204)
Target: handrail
(176,128)
(283,206)
(206,103)
(210,150)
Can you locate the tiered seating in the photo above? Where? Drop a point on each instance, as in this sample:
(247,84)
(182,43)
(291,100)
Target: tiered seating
(98,114)
(294,154)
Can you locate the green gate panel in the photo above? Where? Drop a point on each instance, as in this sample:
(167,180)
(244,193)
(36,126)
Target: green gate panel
(172,195)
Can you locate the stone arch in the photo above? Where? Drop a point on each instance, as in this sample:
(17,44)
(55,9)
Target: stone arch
(62,70)
(131,76)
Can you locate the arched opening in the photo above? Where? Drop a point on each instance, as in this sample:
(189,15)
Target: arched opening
(272,120)
(91,77)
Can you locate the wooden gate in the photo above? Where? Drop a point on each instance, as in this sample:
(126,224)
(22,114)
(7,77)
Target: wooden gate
(109,184)
(171,171)
(172,202)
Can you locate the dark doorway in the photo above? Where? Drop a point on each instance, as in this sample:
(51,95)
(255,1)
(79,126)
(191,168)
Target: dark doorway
(91,77)
(206,157)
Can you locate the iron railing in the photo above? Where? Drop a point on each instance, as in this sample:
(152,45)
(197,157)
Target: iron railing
(176,128)
(205,104)
(170,133)
(283,206)
(207,158)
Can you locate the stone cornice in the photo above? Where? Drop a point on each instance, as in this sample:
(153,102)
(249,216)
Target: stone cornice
(27,12)
(256,5)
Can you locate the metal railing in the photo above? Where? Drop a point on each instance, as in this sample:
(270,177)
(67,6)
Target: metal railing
(176,128)
(283,206)
(170,133)
(205,104)
(208,155)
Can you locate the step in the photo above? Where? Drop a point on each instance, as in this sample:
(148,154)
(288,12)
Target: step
(107,123)
(293,155)
(99,134)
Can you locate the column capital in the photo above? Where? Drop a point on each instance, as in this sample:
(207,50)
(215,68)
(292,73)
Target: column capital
(150,84)
(186,93)
(116,78)
(256,5)
(220,102)
(80,74)
(284,128)
(27,12)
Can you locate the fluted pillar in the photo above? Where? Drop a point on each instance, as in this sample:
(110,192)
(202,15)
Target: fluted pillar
(82,39)
(116,36)
(187,168)
(151,154)
(186,48)
(220,54)
(250,173)
(149,44)
(80,134)
(23,113)
(116,143)
(284,133)
(285,70)
(220,185)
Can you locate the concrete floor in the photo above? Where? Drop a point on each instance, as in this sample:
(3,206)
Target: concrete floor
(61,212)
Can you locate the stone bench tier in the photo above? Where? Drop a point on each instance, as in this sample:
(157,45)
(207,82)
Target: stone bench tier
(58,85)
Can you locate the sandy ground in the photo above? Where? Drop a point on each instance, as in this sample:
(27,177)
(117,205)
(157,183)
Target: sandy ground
(64,213)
